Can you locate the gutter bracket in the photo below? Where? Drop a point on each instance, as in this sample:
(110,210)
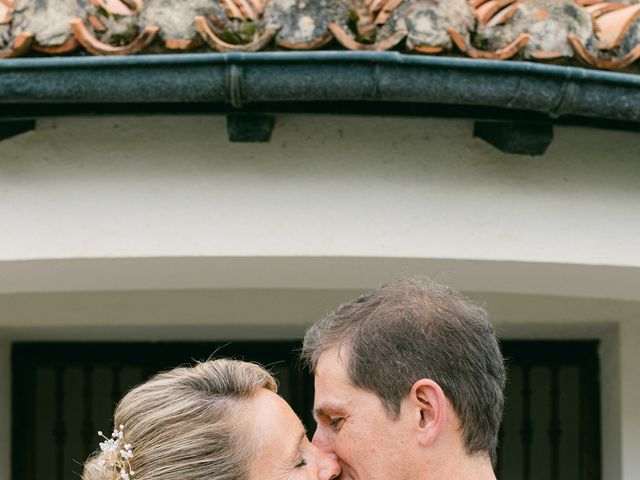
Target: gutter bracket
(11,128)
(235,86)
(515,137)
(247,128)
(569,96)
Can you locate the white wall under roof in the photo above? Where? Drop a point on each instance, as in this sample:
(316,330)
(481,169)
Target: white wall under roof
(324,186)
(159,209)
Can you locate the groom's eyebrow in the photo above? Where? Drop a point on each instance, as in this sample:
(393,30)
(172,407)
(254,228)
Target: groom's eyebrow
(326,409)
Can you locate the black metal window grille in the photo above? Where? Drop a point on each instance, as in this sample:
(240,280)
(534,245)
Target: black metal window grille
(64,393)
(551,424)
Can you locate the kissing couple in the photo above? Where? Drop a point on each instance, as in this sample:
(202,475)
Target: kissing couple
(409,384)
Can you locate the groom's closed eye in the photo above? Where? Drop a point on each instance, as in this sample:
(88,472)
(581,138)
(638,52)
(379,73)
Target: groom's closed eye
(336,422)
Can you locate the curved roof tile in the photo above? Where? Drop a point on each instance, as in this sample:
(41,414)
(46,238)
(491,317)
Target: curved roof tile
(599,33)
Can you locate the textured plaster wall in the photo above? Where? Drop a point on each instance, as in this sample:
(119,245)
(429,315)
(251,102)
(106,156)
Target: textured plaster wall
(324,186)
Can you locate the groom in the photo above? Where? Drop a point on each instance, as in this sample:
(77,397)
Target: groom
(409,385)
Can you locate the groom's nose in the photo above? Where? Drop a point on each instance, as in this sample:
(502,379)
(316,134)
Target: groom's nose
(322,439)
(329,467)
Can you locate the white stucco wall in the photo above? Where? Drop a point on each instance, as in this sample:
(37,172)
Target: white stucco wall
(630,396)
(324,186)
(162,228)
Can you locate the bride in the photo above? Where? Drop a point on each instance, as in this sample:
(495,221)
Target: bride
(218,420)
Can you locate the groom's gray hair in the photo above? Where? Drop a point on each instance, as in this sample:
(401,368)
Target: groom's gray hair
(415,328)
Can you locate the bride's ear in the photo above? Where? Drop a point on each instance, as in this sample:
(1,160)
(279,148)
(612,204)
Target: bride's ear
(430,406)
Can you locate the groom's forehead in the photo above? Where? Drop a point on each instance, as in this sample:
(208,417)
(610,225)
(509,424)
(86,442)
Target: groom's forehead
(334,362)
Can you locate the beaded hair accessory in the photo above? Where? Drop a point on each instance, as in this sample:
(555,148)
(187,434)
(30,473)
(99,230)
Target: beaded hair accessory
(117,455)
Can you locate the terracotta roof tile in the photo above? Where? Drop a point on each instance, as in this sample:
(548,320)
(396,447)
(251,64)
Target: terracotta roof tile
(599,33)
(547,23)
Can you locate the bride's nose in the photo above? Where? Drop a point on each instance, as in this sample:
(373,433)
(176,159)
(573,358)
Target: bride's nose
(329,466)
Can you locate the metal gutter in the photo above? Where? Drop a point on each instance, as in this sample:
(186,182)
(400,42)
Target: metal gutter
(243,79)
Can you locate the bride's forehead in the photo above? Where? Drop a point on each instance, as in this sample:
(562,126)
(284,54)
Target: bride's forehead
(278,433)
(271,409)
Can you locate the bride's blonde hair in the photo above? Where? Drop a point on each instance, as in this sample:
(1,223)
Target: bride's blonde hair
(188,424)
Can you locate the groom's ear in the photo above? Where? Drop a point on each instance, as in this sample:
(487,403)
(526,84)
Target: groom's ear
(429,405)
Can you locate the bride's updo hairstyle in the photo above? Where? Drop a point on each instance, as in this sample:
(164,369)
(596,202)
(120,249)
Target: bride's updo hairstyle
(187,424)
